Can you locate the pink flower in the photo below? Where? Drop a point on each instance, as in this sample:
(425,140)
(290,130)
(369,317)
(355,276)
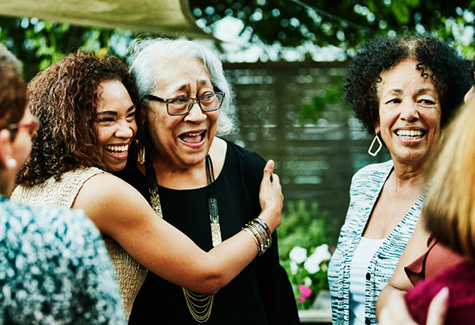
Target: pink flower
(305,291)
(301,299)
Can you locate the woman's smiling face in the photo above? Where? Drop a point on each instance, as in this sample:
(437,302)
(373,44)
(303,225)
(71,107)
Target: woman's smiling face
(409,112)
(181,141)
(115,124)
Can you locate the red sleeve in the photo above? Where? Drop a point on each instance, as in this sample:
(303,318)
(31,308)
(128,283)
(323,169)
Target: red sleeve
(437,258)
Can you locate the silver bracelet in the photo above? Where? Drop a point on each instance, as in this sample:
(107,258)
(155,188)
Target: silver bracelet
(261,234)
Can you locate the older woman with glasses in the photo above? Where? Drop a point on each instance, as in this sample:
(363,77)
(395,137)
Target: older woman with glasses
(208,187)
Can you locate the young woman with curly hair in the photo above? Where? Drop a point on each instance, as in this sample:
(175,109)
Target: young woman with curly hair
(45,278)
(87,106)
(403,89)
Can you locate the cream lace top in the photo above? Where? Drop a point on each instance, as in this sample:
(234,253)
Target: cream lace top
(129,274)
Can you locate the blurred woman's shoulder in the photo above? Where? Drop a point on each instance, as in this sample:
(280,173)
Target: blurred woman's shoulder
(50,243)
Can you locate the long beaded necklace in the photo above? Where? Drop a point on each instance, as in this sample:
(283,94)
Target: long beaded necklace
(199,305)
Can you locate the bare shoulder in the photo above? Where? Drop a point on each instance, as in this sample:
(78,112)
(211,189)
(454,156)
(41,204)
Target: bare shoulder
(106,186)
(106,198)
(218,154)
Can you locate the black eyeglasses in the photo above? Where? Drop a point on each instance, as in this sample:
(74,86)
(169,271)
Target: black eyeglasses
(182,105)
(32,127)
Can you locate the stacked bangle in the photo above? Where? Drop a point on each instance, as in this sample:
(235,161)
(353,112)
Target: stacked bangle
(261,234)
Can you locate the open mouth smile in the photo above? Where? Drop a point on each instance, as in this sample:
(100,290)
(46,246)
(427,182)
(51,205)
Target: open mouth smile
(117,149)
(410,134)
(193,137)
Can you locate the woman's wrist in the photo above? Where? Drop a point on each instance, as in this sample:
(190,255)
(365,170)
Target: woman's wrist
(270,220)
(261,234)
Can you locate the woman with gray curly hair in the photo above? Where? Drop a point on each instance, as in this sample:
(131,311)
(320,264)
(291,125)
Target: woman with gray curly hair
(207,187)
(404,90)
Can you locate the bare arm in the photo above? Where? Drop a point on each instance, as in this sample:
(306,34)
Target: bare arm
(119,211)
(415,247)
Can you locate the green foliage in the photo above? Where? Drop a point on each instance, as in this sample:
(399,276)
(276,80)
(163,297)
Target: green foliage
(39,43)
(345,24)
(307,281)
(281,24)
(304,225)
(330,96)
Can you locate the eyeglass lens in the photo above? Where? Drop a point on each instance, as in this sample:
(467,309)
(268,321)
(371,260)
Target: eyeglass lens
(207,103)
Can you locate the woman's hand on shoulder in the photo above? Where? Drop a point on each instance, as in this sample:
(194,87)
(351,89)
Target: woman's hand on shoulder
(271,197)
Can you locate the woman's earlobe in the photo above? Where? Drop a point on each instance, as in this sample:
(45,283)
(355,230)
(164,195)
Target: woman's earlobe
(6,159)
(376,127)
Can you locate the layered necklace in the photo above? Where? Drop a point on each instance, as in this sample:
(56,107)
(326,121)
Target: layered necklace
(199,305)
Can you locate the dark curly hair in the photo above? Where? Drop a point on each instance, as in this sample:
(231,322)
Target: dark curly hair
(64,99)
(436,60)
(12,89)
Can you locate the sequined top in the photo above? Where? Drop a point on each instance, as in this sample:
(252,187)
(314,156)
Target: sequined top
(54,269)
(129,274)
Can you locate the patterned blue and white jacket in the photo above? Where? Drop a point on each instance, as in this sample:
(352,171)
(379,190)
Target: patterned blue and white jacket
(366,186)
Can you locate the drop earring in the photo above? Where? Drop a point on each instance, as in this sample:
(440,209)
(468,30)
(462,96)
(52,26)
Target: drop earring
(141,154)
(380,145)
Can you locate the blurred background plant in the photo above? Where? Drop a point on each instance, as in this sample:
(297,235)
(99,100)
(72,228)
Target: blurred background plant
(306,237)
(294,30)
(308,273)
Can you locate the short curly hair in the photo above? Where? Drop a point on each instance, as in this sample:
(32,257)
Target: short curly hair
(446,67)
(64,98)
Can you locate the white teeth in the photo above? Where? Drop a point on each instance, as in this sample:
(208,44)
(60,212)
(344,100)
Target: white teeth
(192,134)
(410,134)
(117,148)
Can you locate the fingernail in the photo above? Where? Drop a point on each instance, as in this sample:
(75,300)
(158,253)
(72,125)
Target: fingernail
(443,293)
